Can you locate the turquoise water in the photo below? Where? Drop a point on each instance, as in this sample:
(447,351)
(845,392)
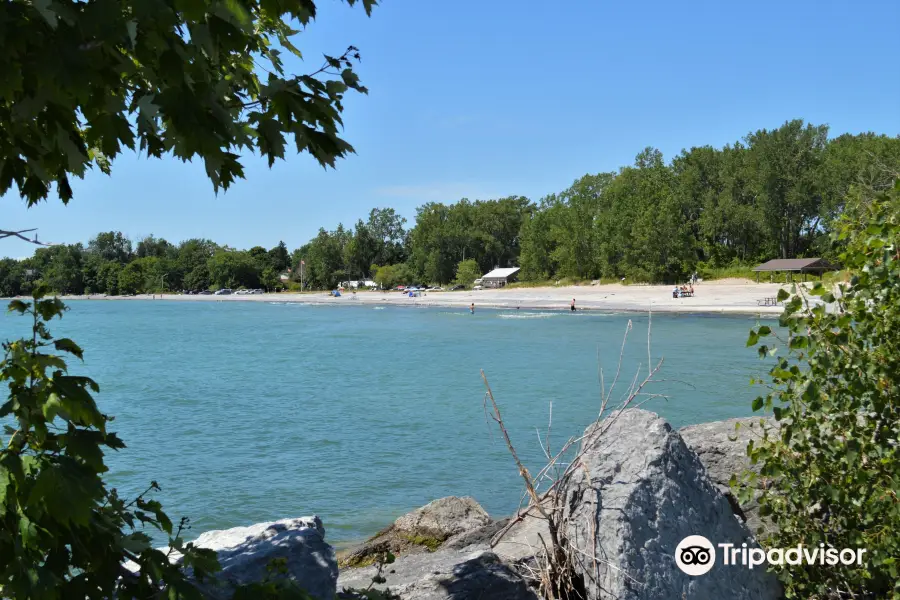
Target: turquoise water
(248,411)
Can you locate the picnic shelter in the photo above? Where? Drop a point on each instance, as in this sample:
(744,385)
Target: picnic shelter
(816,266)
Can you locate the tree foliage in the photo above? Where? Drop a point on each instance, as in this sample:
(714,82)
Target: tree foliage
(833,468)
(776,194)
(467,271)
(63,534)
(390,276)
(195,79)
(108,266)
(486,231)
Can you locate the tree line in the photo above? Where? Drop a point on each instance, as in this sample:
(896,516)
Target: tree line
(774,194)
(112,264)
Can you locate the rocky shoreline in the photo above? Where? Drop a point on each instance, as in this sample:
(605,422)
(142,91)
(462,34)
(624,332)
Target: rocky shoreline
(644,487)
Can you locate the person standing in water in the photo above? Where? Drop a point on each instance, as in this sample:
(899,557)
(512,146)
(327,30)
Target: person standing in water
(472,308)
(573,305)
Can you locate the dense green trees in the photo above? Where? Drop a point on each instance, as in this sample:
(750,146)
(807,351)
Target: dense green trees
(485,231)
(108,266)
(777,193)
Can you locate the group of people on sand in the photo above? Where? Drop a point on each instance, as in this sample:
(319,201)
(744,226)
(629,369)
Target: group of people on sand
(684,290)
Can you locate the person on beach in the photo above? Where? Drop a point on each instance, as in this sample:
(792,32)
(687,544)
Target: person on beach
(472,308)
(573,305)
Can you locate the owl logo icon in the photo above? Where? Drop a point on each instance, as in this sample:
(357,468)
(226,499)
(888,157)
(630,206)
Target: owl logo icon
(695,555)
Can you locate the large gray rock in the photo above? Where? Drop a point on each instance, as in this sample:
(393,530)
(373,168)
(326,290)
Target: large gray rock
(442,553)
(456,521)
(443,518)
(447,574)
(723,451)
(640,493)
(246,552)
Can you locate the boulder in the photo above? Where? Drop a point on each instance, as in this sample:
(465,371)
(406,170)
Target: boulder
(443,518)
(478,536)
(640,492)
(246,552)
(723,451)
(461,521)
(525,538)
(447,574)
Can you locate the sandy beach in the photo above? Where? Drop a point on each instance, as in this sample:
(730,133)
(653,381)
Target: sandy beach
(722,296)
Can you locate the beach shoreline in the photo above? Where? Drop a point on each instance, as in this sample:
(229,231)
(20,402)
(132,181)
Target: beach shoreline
(713,297)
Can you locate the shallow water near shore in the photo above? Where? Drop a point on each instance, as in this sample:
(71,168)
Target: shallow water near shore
(249,412)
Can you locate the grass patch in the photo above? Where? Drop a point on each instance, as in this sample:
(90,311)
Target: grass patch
(357,562)
(729,272)
(432,543)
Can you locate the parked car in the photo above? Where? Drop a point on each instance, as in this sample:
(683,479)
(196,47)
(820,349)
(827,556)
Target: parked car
(223,292)
(436,288)
(457,287)
(204,293)
(478,287)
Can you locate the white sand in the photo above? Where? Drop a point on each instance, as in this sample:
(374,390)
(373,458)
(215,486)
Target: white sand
(723,296)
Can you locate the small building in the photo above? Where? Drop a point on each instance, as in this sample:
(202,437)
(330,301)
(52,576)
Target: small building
(500,277)
(816,266)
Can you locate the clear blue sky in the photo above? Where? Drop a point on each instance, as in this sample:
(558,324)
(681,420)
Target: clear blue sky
(483,99)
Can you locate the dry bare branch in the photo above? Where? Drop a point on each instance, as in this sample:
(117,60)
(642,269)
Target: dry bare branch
(557,556)
(18,234)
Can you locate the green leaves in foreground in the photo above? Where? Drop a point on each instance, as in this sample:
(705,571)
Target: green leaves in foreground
(198,79)
(62,533)
(831,473)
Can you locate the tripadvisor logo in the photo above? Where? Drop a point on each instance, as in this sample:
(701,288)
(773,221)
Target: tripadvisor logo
(695,555)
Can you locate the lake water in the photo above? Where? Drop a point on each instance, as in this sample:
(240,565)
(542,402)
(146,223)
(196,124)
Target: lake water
(247,411)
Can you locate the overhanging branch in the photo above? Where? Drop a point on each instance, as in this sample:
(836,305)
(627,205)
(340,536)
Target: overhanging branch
(18,234)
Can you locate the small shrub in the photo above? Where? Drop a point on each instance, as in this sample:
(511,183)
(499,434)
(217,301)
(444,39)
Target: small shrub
(467,271)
